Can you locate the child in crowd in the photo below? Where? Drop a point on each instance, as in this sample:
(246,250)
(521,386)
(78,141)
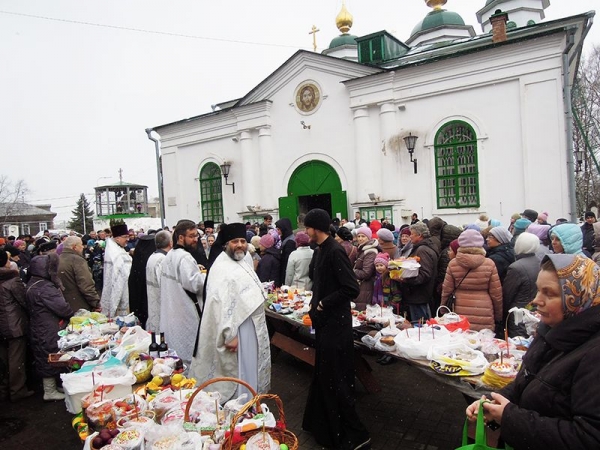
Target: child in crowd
(386,291)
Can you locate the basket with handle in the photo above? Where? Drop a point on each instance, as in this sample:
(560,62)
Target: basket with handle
(186,417)
(279,433)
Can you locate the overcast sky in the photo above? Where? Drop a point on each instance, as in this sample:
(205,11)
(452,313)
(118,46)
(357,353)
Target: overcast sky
(82,80)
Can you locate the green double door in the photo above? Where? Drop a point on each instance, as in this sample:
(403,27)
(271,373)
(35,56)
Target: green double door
(314,184)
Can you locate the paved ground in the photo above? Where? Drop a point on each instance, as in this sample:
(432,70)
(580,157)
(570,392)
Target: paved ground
(413,411)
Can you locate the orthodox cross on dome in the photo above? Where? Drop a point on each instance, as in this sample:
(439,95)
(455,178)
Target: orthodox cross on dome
(121,175)
(314,33)
(436,4)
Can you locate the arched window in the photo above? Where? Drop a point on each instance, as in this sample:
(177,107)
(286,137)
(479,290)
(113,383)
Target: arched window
(210,193)
(456,171)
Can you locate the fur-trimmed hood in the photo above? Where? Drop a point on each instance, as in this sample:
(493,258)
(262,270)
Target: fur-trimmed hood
(371,245)
(46,266)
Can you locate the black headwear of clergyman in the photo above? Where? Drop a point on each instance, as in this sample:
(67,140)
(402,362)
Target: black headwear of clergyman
(319,219)
(232,231)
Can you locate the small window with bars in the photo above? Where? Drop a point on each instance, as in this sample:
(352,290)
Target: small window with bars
(457,174)
(210,193)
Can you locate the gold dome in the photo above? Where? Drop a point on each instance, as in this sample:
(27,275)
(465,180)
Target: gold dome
(435,4)
(344,19)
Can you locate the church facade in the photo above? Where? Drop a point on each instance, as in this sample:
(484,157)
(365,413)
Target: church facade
(487,117)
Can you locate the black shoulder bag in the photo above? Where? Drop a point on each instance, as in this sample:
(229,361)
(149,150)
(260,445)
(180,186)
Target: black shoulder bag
(452,297)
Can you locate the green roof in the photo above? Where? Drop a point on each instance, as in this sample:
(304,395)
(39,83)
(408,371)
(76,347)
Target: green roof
(438,18)
(343,39)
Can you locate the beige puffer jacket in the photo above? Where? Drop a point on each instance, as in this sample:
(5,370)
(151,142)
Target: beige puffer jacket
(479,296)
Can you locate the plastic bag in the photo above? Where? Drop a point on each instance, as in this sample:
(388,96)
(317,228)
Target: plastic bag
(135,339)
(414,344)
(261,441)
(457,359)
(451,320)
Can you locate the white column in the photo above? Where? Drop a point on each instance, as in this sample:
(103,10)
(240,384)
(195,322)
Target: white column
(368,164)
(249,166)
(268,194)
(387,155)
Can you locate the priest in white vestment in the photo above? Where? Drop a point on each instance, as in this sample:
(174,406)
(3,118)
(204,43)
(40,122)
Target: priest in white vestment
(117,266)
(181,288)
(234,341)
(164,244)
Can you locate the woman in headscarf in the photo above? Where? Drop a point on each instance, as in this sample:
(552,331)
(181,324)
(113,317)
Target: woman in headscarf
(344,236)
(553,402)
(364,267)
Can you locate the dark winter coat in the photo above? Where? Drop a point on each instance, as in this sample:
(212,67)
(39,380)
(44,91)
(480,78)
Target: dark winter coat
(503,256)
(419,290)
(447,234)
(48,311)
(13,307)
(288,244)
(519,288)
(555,398)
(80,290)
(587,229)
(364,271)
(330,412)
(269,266)
(138,295)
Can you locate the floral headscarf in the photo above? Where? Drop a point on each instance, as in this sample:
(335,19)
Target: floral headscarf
(579,279)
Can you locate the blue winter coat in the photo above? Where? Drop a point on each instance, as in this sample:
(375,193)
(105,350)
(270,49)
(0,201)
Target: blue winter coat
(570,237)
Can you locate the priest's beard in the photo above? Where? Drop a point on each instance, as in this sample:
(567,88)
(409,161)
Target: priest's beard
(235,255)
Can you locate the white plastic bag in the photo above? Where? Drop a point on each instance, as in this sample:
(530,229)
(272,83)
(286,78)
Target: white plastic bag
(457,359)
(261,441)
(135,339)
(414,344)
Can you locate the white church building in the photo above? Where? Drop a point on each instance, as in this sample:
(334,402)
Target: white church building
(449,123)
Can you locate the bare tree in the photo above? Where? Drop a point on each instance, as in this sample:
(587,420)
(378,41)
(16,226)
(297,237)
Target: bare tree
(12,196)
(586,135)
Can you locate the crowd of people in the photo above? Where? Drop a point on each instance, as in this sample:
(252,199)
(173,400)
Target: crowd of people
(202,286)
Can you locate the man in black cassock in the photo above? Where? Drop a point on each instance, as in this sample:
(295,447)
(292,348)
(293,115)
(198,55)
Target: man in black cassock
(330,412)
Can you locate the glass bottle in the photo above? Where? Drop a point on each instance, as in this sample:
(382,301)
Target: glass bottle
(162,348)
(153,349)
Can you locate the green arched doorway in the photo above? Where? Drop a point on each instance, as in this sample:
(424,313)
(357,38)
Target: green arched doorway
(314,184)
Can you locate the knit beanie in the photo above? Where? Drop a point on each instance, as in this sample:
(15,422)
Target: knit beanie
(382,258)
(495,223)
(526,243)
(267,241)
(501,234)
(366,231)
(18,242)
(515,216)
(530,214)
(302,239)
(344,234)
(522,224)
(255,241)
(473,226)
(3,258)
(349,225)
(454,245)
(543,216)
(579,278)
(541,231)
(405,231)
(385,235)
(470,238)
(318,219)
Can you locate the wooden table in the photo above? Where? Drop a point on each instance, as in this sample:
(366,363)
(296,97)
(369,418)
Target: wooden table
(295,338)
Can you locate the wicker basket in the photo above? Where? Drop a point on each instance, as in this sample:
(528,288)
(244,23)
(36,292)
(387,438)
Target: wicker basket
(186,417)
(280,433)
